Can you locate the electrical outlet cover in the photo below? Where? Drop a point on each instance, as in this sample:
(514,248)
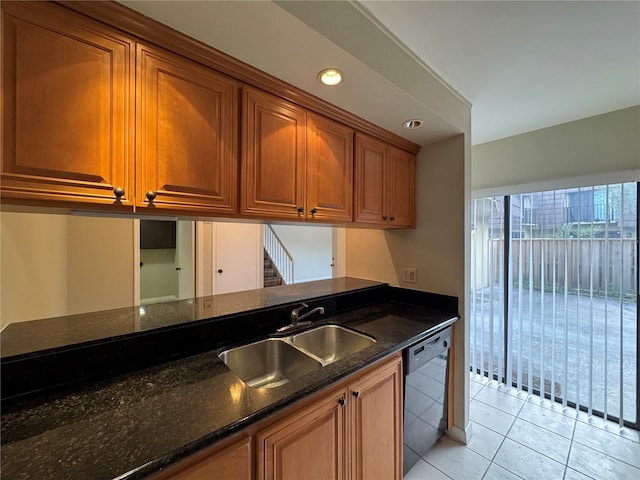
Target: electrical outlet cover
(409,275)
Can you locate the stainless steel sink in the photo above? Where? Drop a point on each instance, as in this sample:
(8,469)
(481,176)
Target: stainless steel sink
(268,363)
(331,342)
(273,362)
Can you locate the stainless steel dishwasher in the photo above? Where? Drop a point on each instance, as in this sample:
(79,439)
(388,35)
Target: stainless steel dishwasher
(426,375)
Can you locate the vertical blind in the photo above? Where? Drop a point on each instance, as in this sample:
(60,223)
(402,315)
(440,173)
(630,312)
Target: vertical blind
(554,280)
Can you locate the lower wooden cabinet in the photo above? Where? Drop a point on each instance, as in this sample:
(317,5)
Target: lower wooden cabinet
(352,432)
(232,462)
(355,432)
(309,444)
(375,417)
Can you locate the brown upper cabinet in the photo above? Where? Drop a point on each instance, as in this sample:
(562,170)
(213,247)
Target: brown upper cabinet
(384,184)
(295,164)
(186,134)
(93,119)
(402,188)
(329,170)
(273,157)
(67,109)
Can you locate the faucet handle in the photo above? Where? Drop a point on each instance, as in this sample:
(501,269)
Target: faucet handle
(296,311)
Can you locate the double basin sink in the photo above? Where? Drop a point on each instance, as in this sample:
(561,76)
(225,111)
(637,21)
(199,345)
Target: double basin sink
(272,362)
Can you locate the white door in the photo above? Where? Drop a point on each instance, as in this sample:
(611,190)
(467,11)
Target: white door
(239,257)
(185,258)
(338,261)
(230,257)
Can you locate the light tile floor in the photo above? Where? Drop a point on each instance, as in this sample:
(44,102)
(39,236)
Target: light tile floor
(521,436)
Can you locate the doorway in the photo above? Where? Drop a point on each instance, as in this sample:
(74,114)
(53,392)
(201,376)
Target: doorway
(166,260)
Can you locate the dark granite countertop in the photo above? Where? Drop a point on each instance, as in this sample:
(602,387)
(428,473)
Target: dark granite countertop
(23,338)
(135,424)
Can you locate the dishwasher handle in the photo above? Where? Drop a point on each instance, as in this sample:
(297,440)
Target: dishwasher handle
(422,352)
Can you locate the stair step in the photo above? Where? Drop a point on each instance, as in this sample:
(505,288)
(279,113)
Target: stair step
(271,276)
(272,282)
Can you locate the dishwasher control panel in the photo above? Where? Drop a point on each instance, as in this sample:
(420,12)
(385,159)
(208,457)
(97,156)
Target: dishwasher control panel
(429,348)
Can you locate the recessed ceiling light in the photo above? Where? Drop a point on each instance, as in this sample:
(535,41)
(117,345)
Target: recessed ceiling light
(415,123)
(330,76)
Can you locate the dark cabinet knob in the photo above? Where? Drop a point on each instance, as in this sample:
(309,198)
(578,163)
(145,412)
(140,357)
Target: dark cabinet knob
(151,195)
(384,217)
(356,394)
(392,218)
(314,210)
(118,192)
(342,401)
(178,268)
(300,210)
(220,270)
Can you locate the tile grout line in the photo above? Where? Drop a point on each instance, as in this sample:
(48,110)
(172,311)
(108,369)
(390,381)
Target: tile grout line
(573,434)
(498,408)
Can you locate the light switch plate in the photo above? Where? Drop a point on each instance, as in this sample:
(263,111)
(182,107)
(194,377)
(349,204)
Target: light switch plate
(409,275)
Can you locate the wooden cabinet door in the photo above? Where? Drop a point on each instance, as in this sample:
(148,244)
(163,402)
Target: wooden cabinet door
(329,170)
(67,109)
(306,445)
(186,135)
(401,175)
(370,187)
(273,157)
(376,423)
(231,463)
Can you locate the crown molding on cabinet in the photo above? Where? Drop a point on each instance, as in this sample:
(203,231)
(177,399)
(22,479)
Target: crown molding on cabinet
(135,24)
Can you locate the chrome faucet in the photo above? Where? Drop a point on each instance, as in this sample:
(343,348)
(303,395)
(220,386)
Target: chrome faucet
(296,317)
(295,314)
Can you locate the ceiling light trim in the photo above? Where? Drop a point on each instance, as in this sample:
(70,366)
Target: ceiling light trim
(330,77)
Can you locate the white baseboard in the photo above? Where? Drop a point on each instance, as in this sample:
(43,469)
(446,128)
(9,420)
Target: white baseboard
(166,298)
(460,435)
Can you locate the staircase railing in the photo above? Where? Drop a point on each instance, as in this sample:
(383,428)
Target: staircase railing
(282,259)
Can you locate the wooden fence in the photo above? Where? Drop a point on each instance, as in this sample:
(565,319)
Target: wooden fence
(609,263)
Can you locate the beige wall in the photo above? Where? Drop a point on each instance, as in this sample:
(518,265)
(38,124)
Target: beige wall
(158,278)
(100,264)
(311,248)
(73,264)
(33,266)
(600,144)
(436,247)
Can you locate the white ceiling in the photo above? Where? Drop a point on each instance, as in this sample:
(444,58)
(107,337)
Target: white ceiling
(522,65)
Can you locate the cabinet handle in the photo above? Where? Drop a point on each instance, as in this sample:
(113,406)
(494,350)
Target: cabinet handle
(392,219)
(151,195)
(220,270)
(384,217)
(342,401)
(300,211)
(356,394)
(314,210)
(118,192)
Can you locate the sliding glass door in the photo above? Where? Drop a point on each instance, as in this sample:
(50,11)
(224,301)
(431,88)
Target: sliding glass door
(555,295)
